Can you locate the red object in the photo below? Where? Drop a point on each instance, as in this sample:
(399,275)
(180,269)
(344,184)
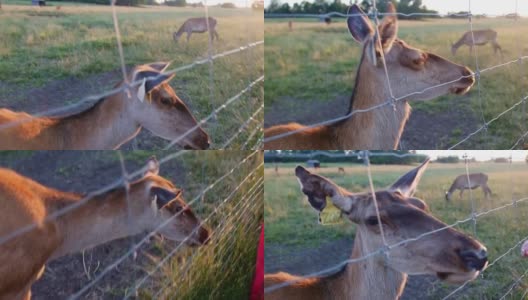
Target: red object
(257,291)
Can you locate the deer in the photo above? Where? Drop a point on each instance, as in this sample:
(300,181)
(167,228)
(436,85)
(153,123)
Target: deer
(478,38)
(341,170)
(152,202)
(199,25)
(451,255)
(475,180)
(410,69)
(111,121)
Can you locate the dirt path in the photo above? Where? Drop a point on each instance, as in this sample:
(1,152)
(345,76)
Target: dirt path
(84,172)
(303,261)
(424,130)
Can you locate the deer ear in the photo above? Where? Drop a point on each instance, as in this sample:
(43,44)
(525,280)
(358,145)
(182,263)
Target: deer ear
(388,29)
(160,66)
(150,80)
(152,166)
(419,204)
(359,25)
(407,183)
(162,196)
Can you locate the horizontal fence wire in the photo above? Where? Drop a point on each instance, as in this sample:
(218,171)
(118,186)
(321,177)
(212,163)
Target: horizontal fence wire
(364,155)
(392,100)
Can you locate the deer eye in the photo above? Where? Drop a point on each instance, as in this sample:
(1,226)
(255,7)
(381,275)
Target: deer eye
(166,101)
(419,61)
(372,221)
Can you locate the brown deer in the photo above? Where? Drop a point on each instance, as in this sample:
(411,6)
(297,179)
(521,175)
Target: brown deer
(475,180)
(481,37)
(449,254)
(111,121)
(341,170)
(197,25)
(410,70)
(151,202)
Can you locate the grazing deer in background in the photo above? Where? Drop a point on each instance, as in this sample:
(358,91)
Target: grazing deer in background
(481,37)
(197,25)
(475,180)
(151,201)
(341,170)
(111,122)
(410,70)
(449,254)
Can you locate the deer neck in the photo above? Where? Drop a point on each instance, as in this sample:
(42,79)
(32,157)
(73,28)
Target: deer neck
(103,218)
(380,128)
(367,279)
(106,125)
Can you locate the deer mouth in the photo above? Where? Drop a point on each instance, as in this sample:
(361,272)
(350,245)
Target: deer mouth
(457,278)
(460,90)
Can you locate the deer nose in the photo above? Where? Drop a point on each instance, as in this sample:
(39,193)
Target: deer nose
(468,76)
(476,260)
(204,236)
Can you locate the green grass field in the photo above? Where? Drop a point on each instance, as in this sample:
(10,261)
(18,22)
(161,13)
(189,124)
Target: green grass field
(41,46)
(292,223)
(316,63)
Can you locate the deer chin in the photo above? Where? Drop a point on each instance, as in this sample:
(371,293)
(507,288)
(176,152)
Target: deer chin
(457,278)
(460,90)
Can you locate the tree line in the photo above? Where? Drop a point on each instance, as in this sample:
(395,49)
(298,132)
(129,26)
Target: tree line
(324,6)
(274,156)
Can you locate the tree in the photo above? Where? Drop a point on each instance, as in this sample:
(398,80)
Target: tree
(179,3)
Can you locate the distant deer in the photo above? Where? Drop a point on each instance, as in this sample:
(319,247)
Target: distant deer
(276,170)
(290,25)
(151,201)
(197,25)
(410,70)
(481,37)
(341,170)
(475,180)
(110,122)
(328,20)
(450,255)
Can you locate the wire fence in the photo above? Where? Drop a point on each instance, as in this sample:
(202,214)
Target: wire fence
(392,100)
(127,87)
(227,201)
(498,267)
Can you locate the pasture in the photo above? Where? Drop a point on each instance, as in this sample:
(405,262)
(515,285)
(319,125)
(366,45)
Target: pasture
(50,58)
(222,269)
(311,71)
(297,244)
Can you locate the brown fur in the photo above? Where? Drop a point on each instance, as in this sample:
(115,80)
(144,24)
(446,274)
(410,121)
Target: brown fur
(197,25)
(480,37)
(102,218)
(108,124)
(411,70)
(475,180)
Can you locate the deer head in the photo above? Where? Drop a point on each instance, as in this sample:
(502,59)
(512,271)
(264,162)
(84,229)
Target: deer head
(158,108)
(450,255)
(166,202)
(413,69)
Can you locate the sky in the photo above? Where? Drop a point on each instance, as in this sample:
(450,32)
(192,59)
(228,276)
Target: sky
(490,7)
(480,155)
